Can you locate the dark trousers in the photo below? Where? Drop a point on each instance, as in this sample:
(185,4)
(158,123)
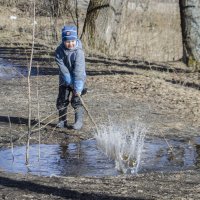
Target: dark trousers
(64,99)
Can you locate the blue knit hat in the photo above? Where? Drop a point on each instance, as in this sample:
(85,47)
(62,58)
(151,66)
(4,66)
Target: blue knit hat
(69,33)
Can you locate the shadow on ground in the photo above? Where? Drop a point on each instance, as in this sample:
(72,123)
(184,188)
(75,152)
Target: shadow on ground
(29,186)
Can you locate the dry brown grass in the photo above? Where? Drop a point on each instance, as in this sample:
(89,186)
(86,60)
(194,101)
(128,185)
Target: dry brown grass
(20,30)
(149,32)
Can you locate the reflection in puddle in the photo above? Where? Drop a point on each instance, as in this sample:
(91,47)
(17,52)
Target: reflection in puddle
(197,163)
(85,159)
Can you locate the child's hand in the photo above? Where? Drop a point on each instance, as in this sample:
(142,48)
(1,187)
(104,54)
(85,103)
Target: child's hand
(71,87)
(77,93)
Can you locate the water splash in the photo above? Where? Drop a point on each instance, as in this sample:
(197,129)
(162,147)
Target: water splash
(122,143)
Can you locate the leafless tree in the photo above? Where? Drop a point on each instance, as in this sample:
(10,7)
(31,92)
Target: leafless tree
(29,88)
(190,21)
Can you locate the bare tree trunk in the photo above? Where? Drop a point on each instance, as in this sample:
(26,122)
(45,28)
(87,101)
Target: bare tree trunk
(77,15)
(190,22)
(38,107)
(29,89)
(70,11)
(86,19)
(55,12)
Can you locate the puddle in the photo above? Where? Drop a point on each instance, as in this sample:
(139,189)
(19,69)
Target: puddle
(85,159)
(9,70)
(157,155)
(6,70)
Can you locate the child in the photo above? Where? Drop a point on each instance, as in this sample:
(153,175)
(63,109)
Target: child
(71,62)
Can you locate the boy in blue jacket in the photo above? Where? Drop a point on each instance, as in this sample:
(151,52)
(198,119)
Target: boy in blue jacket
(71,62)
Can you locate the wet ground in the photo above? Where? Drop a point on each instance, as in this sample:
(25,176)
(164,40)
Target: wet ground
(165,97)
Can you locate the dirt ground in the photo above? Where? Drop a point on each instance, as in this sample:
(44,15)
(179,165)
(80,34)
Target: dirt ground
(163,96)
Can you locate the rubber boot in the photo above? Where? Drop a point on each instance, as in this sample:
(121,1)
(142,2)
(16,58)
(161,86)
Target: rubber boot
(79,113)
(62,119)
(61,124)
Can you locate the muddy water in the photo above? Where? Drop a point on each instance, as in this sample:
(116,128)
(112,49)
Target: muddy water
(85,159)
(171,154)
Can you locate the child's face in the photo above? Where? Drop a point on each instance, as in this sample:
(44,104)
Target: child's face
(70,44)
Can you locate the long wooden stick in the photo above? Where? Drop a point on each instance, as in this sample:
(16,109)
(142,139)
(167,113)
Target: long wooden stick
(90,116)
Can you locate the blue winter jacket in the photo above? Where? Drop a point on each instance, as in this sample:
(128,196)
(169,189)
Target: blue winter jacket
(71,63)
